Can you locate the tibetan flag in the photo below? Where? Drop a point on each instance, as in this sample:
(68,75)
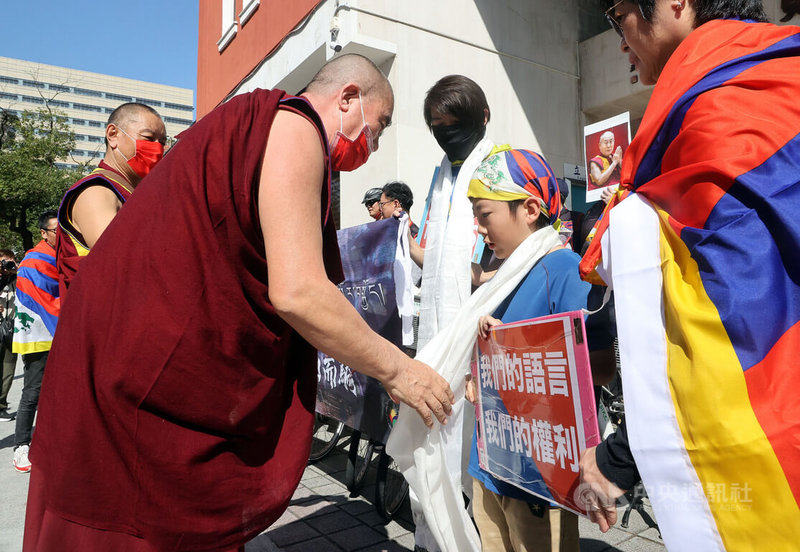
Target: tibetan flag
(38,305)
(704,257)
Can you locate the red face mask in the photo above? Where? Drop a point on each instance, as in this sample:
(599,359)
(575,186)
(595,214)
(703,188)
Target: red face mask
(146,156)
(347,154)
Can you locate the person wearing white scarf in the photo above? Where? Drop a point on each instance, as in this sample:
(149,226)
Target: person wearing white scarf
(456,112)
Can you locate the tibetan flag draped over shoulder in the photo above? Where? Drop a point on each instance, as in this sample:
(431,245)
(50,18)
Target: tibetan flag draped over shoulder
(38,305)
(704,259)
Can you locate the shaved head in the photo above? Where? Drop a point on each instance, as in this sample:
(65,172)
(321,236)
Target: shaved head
(128,111)
(351,68)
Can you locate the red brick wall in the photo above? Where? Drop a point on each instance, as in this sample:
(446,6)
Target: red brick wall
(219,72)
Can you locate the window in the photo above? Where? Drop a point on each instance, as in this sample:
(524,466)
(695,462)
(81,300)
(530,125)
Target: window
(7,96)
(94,139)
(177,121)
(84,107)
(58,103)
(248,7)
(85,92)
(179,106)
(152,103)
(118,97)
(228,24)
(78,122)
(32,99)
(9,80)
(96,124)
(77,153)
(59,88)
(34,84)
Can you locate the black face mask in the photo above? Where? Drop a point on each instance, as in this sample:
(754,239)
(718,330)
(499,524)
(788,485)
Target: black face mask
(457,140)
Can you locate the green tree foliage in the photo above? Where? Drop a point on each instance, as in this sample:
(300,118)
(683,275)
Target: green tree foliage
(30,181)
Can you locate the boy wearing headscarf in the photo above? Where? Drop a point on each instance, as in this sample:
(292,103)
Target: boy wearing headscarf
(516,200)
(515,195)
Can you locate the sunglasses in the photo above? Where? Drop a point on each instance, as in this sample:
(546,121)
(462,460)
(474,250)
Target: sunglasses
(614,21)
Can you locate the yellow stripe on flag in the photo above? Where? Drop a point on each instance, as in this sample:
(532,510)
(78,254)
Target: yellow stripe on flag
(747,491)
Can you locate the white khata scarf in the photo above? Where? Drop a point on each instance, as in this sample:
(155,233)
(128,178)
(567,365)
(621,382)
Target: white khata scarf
(419,452)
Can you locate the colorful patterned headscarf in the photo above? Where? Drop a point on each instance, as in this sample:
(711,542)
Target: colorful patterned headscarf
(512,174)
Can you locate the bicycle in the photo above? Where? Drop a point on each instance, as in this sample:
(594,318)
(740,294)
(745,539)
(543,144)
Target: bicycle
(327,432)
(359,457)
(391,488)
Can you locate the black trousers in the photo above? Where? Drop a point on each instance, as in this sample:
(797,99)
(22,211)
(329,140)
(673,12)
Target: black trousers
(32,384)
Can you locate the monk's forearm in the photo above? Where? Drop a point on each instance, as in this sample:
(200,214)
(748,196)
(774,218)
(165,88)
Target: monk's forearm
(329,322)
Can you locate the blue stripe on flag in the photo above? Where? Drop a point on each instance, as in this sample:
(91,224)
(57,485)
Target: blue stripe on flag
(49,259)
(747,254)
(40,280)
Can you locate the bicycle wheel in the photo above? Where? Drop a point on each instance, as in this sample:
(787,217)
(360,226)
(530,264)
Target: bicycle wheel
(358,458)
(326,434)
(391,488)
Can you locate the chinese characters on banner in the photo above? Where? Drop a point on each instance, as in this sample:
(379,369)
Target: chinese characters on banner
(368,253)
(536,408)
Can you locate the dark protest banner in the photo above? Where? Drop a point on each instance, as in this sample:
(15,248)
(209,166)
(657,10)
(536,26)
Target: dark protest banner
(368,253)
(536,405)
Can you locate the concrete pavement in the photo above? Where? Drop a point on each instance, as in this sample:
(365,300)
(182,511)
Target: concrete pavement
(321,515)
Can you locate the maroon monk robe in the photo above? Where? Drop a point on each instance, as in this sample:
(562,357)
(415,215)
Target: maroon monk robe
(71,246)
(177,405)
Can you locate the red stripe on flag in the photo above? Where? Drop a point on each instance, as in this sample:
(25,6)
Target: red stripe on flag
(772,386)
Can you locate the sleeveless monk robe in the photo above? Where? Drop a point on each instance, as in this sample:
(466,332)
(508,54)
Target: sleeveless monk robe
(603,163)
(71,246)
(177,405)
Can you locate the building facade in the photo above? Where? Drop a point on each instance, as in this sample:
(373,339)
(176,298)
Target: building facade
(87,99)
(548,68)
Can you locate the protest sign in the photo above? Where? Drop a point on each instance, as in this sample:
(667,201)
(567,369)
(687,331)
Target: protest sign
(605,144)
(368,253)
(536,407)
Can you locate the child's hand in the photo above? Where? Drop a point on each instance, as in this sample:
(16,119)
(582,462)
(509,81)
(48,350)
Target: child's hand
(485,324)
(469,392)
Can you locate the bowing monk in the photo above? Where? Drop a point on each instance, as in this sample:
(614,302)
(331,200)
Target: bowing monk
(178,409)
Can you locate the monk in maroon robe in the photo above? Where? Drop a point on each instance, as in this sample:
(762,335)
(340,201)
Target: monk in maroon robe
(135,137)
(177,407)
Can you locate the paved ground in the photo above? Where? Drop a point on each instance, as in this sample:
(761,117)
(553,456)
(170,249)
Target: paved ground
(321,516)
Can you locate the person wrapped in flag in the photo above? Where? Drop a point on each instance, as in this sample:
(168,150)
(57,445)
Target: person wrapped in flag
(701,249)
(38,307)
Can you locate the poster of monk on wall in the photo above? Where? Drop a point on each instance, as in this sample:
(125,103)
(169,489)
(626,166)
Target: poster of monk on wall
(605,143)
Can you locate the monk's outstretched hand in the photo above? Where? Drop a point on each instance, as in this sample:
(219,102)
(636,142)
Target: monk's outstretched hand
(417,385)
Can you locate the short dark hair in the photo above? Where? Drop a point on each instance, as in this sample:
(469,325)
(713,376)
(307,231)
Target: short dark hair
(121,114)
(541,222)
(460,97)
(44,218)
(8,253)
(709,10)
(401,192)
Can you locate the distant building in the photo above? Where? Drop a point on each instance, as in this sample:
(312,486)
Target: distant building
(87,99)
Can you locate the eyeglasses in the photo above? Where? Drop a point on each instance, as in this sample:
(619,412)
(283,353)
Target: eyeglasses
(382,203)
(50,229)
(614,21)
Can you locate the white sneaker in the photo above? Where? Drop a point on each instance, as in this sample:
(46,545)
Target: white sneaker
(21,462)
